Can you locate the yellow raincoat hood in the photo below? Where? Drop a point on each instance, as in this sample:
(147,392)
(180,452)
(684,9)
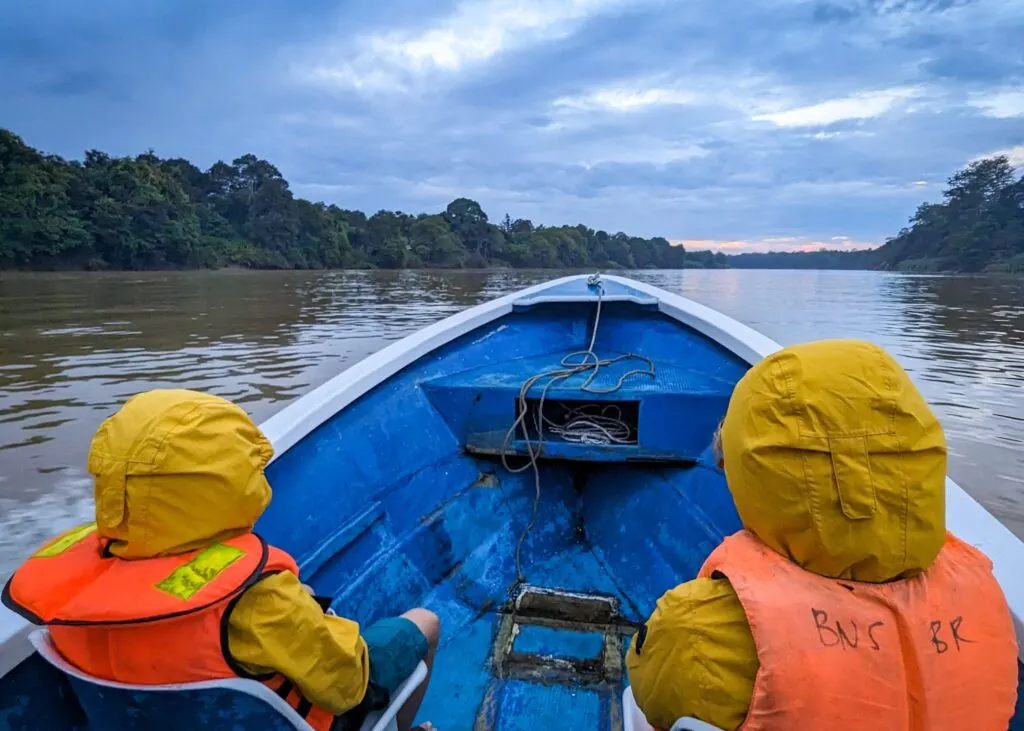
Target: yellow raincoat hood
(835,460)
(176,470)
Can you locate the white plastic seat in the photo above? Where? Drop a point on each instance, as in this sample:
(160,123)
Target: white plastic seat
(633,718)
(257,706)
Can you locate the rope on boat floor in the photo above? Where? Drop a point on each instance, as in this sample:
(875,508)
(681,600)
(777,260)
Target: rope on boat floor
(580,427)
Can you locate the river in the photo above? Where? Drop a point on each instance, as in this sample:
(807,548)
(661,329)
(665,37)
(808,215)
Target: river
(75,346)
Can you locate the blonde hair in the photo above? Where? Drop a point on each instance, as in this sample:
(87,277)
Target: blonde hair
(716,446)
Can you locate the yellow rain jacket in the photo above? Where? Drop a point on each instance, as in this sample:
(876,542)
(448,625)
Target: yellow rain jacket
(180,470)
(698,658)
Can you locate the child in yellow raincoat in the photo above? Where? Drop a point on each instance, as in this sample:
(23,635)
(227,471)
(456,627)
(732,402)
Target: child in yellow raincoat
(843,603)
(179,484)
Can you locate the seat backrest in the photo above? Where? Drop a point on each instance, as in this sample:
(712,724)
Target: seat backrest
(632,717)
(218,705)
(634,720)
(692,724)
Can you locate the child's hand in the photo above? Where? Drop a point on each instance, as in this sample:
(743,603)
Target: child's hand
(320,600)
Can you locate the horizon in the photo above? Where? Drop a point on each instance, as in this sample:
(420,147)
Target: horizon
(792,125)
(781,245)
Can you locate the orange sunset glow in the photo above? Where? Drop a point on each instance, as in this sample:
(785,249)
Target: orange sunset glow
(778,243)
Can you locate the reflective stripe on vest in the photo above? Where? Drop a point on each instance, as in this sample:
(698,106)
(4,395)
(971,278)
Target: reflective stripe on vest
(106,614)
(72,581)
(936,651)
(63,542)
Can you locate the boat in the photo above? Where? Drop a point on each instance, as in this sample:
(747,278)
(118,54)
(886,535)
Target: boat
(419,477)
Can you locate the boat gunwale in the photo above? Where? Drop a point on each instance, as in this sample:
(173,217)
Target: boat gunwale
(965,516)
(292,423)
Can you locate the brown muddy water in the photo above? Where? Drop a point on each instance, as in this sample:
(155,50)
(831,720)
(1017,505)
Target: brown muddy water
(73,347)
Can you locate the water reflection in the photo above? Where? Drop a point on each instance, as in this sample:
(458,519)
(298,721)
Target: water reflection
(960,338)
(74,346)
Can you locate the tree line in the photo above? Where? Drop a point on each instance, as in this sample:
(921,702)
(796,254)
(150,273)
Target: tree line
(978,226)
(147,212)
(822,259)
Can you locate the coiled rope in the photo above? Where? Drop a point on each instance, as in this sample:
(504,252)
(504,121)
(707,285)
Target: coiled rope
(607,427)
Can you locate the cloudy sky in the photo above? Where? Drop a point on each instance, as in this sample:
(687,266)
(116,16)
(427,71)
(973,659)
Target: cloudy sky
(741,124)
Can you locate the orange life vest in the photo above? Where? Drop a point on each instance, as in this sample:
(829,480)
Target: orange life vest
(936,651)
(150,621)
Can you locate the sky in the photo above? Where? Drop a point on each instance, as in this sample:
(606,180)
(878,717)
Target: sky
(741,125)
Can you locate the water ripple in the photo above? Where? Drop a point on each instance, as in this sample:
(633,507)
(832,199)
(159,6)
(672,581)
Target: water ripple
(73,347)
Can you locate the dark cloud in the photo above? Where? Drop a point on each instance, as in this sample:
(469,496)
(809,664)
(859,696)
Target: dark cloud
(832,11)
(692,120)
(95,83)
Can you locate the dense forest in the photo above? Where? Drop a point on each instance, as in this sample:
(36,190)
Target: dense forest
(978,226)
(823,259)
(146,212)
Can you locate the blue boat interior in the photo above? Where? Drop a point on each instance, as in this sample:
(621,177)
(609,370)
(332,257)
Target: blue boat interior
(402,499)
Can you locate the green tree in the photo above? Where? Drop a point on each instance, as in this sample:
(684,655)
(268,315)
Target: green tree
(138,214)
(618,252)
(38,224)
(484,241)
(434,244)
